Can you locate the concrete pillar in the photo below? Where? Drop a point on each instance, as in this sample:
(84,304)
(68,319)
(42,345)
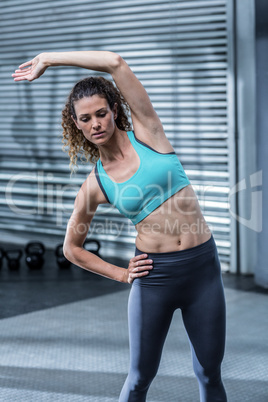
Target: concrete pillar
(261,24)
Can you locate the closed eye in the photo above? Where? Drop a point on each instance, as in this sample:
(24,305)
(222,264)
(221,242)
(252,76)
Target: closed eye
(86,119)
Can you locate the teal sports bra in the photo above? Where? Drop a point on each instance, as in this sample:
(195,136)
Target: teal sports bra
(158,177)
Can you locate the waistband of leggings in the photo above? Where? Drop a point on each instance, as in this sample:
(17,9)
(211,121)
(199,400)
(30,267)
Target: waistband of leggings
(189,252)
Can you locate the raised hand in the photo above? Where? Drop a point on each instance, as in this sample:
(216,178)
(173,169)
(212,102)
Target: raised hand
(31,70)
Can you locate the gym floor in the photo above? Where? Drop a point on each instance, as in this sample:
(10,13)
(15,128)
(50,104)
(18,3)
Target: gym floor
(64,338)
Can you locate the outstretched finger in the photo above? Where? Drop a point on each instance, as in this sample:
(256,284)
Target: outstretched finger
(22,78)
(20,73)
(27,63)
(19,78)
(15,75)
(23,70)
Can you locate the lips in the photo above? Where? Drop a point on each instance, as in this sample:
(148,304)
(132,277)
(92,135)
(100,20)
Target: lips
(97,134)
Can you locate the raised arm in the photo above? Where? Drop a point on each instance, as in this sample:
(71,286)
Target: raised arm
(142,112)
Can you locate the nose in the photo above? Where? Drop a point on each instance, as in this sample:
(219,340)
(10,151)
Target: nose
(95,124)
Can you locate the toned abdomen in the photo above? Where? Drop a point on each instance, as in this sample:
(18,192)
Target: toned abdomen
(176,224)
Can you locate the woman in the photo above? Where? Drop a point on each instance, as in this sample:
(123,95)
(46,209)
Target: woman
(176,263)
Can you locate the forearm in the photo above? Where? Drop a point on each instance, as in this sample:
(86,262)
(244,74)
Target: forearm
(91,262)
(104,61)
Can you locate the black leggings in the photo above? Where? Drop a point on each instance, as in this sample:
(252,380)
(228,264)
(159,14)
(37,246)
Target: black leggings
(190,280)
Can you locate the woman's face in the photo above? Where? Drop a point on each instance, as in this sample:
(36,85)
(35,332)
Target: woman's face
(95,118)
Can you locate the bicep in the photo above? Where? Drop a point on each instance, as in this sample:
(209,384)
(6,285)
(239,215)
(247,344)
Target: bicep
(142,111)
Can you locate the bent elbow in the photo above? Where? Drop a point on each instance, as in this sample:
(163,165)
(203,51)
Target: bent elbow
(116,62)
(66,252)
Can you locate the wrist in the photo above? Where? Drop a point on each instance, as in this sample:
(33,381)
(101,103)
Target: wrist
(124,275)
(46,59)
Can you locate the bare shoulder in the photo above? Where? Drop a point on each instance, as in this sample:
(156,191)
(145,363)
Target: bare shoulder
(88,198)
(155,137)
(92,188)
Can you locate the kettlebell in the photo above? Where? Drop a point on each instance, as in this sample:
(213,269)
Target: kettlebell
(34,254)
(13,258)
(92,241)
(61,260)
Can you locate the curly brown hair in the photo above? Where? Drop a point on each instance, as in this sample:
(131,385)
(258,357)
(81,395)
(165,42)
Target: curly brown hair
(72,136)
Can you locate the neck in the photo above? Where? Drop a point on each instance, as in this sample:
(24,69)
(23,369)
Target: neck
(115,148)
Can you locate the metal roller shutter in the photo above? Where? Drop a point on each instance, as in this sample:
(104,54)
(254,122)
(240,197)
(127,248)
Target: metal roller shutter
(178,49)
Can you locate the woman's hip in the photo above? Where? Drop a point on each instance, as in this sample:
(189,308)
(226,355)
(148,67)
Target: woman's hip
(182,266)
